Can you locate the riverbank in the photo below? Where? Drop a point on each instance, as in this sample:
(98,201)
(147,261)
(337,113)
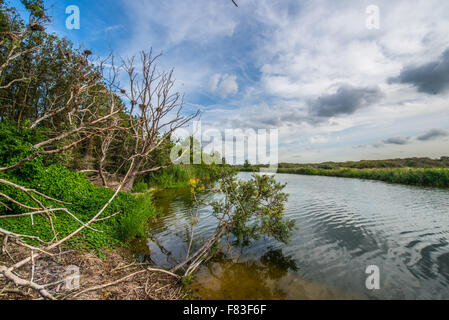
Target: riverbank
(425,177)
(102,252)
(428,177)
(116,276)
(176,176)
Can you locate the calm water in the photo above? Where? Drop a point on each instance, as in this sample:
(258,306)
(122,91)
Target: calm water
(344,225)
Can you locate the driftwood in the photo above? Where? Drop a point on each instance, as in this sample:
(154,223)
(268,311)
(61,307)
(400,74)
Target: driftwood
(36,252)
(130,276)
(24,283)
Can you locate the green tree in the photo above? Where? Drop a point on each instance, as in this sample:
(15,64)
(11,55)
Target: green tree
(248,210)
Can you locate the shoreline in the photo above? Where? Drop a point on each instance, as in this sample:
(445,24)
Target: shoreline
(113,273)
(422,177)
(116,276)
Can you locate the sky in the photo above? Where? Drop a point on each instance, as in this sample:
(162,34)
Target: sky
(337,85)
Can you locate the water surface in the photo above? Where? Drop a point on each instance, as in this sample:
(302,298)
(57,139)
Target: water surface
(344,225)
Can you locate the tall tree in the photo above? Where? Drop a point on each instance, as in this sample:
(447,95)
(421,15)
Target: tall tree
(154,112)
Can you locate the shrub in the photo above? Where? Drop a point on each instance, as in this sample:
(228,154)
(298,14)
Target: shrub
(134,223)
(179,175)
(140,187)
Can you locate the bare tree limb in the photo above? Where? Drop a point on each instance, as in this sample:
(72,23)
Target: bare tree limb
(25,283)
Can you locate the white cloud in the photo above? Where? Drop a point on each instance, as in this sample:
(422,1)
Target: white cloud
(224,85)
(113,28)
(171,22)
(301,51)
(214,81)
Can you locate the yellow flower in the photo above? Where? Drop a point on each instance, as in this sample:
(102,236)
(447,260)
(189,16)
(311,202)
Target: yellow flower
(193,182)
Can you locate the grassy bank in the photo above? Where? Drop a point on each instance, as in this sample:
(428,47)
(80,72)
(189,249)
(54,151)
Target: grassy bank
(432,177)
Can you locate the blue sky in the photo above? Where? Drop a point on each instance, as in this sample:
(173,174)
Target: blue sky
(335,89)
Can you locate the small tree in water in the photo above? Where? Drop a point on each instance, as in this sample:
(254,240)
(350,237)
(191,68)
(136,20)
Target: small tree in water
(248,211)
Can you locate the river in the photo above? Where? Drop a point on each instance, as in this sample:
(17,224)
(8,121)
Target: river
(343,226)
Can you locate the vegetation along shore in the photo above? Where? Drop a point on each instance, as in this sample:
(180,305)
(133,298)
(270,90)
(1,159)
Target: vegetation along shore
(412,171)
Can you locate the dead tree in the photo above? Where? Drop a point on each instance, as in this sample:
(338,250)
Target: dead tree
(13,40)
(154,113)
(79,111)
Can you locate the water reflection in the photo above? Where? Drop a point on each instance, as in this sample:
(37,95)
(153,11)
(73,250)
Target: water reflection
(269,278)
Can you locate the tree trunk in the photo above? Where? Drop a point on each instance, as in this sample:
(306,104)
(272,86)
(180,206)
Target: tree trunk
(129,184)
(88,155)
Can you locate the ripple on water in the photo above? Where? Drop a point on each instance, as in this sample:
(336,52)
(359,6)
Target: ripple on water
(344,225)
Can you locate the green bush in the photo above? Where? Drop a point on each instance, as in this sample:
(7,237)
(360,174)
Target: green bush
(134,223)
(86,200)
(140,187)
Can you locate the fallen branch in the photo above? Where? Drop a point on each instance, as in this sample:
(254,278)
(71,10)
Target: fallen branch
(25,283)
(108,284)
(124,279)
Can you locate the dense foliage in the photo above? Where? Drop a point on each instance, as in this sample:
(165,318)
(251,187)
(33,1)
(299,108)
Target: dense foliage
(60,183)
(443,162)
(253,208)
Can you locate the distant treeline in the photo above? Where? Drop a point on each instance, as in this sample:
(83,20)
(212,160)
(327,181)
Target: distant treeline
(411,171)
(430,177)
(443,162)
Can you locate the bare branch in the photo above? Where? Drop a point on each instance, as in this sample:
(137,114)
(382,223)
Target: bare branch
(24,283)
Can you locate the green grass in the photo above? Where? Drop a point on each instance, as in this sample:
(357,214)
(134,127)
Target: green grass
(140,187)
(432,177)
(135,223)
(178,176)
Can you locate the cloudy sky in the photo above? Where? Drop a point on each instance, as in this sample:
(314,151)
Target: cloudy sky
(336,89)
